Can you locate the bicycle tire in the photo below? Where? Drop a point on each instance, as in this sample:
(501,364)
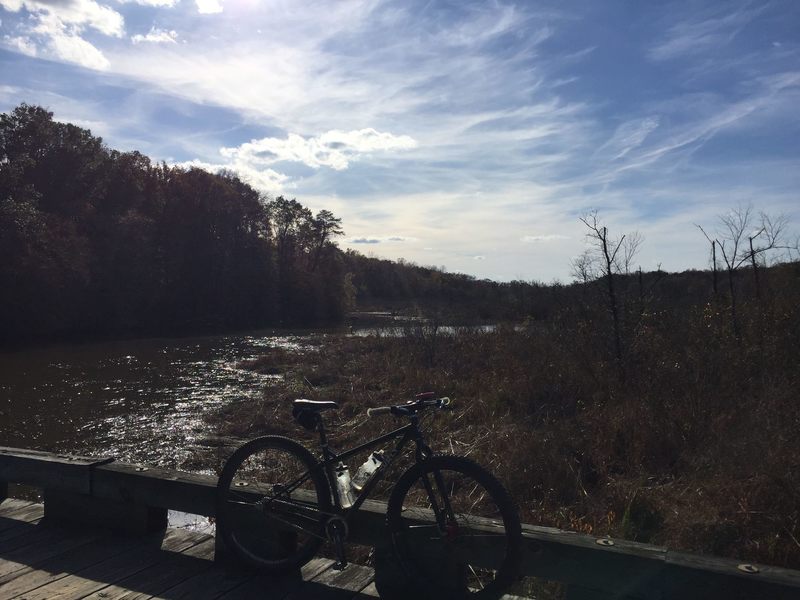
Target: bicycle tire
(470,554)
(253,481)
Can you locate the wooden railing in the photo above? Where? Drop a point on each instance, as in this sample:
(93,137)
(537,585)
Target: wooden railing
(135,498)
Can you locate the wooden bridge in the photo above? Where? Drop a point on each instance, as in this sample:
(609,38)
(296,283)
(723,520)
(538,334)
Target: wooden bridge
(39,562)
(102,534)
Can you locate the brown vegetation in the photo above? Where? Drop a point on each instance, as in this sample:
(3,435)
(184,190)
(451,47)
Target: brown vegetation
(695,448)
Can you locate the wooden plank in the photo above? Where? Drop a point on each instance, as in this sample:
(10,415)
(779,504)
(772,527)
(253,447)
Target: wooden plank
(24,555)
(40,534)
(335,585)
(210,582)
(577,560)
(45,469)
(580,560)
(164,488)
(20,529)
(27,512)
(99,575)
(10,505)
(277,587)
(695,576)
(370,591)
(645,571)
(20,519)
(155,580)
(65,563)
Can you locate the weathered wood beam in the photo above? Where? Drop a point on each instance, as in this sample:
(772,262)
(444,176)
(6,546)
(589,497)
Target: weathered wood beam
(45,469)
(154,486)
(606,568)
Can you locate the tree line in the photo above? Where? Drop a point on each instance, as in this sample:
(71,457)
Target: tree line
(97,242)
(100,242)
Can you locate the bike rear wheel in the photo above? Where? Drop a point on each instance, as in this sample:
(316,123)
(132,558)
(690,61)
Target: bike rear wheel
(272,504)
(454,529)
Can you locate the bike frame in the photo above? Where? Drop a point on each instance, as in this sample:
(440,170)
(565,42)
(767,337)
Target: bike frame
(405,434)
(330,458)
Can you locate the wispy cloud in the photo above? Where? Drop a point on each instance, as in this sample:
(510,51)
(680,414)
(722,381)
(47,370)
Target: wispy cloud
(334,149)
(721,115)
(628,136)
(364,240)
(22,44)
(209,7)
(156,36)
(155,3)
(534,239)
(441,132)
(56,30)
(380,239)
(77,13)
(265,180)
(700,34)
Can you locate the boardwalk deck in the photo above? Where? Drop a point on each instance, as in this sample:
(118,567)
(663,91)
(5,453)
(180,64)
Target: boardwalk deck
(39,561)
(48,560)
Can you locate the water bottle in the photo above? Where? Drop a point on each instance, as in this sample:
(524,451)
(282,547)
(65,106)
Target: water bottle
(366,471)
(343,485)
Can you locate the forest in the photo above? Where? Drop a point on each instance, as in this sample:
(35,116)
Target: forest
(102,243)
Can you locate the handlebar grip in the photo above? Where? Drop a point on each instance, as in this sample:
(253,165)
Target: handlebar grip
(381,410)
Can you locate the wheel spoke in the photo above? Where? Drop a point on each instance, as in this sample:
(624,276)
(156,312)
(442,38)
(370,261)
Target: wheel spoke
(271,504)
(459,552)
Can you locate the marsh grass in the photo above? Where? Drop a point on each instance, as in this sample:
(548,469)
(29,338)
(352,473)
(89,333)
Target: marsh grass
(696,448)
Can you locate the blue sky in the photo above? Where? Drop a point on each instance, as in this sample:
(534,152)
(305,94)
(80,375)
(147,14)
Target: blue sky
(465,135)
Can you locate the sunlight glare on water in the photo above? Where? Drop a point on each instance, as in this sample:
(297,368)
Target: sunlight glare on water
(141,401)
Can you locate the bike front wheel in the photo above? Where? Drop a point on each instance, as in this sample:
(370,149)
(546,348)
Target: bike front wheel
(454,529)
(272,504)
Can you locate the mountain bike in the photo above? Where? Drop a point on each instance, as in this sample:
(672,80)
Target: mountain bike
(454,529)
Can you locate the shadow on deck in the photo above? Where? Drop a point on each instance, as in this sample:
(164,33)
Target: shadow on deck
(40,561)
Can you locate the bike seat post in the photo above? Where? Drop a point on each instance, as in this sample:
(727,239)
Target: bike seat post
(323,438)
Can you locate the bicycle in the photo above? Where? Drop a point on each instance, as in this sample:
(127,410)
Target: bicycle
(453,527)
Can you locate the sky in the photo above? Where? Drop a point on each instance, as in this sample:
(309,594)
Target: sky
(465,135)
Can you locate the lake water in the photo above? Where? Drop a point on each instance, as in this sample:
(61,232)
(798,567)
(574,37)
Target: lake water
(140,401)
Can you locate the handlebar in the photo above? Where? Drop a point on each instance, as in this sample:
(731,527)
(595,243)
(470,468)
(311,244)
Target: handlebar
(426,400)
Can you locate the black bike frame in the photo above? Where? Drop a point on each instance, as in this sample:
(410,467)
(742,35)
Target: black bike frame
(330,459)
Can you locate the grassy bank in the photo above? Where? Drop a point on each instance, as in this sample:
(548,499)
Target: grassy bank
(690,441)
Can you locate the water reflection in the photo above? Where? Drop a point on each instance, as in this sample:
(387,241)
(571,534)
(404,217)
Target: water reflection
(140,400)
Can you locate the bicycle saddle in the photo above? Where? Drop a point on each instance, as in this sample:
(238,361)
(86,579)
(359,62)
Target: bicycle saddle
(314,405)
